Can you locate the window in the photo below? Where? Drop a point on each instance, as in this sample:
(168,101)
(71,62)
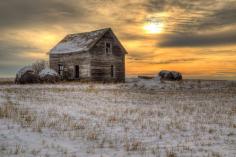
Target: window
(108,48)
(60,69)
(112,71)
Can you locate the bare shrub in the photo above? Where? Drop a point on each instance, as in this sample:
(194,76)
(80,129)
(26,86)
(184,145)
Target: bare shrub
(26,75)
(39,66)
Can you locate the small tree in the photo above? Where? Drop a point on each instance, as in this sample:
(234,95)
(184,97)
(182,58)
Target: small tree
(39,66)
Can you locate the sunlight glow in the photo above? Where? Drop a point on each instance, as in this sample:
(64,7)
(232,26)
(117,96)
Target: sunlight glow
(153,27)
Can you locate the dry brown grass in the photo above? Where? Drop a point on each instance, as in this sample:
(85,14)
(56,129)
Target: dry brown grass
(134,145)
(170,154)
(92,135)
(135,121)
(27,118)
(6,81)
(23,116)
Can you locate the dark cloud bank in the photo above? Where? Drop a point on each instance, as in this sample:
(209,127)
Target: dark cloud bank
(197,17)
(200,16)
(16,13)
(196,40)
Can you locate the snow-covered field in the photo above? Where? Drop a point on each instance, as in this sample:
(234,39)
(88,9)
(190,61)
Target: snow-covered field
(138,118)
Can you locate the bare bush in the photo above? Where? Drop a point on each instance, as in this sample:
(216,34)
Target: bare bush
(39,65)
(26,75)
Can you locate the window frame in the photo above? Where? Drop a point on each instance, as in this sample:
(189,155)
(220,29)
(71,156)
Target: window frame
(108,50)
(60,69)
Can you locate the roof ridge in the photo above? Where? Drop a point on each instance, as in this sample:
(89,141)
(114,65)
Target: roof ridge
(89,31)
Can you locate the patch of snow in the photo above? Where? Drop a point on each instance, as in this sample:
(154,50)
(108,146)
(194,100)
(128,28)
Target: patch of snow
(157,84)
(23,70)
(111,118)
(77,42)
(48,71)
(148,84)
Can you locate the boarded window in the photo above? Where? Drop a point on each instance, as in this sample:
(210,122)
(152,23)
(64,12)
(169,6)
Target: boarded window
(108,48)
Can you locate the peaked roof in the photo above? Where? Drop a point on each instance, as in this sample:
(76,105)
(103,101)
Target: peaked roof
(79,42)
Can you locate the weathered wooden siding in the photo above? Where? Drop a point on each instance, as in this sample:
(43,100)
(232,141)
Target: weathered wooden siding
(101,62)
(94,65)
(70,61)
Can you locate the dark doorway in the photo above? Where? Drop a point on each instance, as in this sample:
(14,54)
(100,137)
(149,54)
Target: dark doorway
(77,72)
(112,71)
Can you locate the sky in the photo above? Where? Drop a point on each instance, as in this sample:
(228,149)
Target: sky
(194,37)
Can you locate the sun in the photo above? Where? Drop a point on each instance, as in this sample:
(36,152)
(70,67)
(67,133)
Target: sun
(153,27)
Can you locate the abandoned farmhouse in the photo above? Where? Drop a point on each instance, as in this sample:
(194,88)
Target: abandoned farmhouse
(92,56)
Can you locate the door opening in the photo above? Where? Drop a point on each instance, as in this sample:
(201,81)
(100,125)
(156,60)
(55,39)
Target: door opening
(112,71)
(77,72)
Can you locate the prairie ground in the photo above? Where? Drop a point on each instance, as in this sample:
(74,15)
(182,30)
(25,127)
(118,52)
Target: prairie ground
(139,118)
